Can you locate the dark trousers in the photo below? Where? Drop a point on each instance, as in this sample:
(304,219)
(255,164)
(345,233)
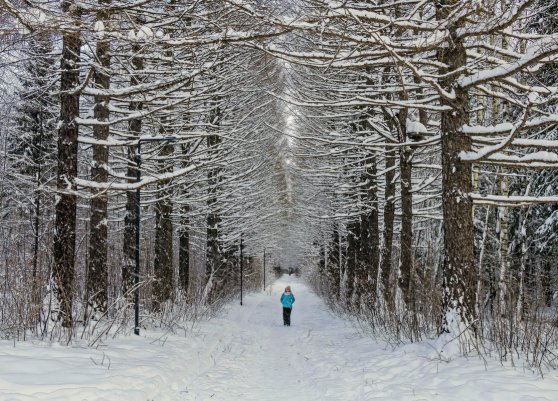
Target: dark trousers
(287,316)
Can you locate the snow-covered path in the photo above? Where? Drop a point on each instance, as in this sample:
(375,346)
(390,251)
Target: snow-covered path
(264,360)
(247,354)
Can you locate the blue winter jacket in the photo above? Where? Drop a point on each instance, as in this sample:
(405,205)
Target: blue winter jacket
(287,300)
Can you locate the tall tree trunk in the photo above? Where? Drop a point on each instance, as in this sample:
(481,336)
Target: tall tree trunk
(342,252)
(184,247)
(371,234)
(333,263)
(503,217)
(523,244)
(213,251)
(163,287)
(35,291)
(322,259)
(360,260)
(184,232)
(134,129)
(406,250)
(547,289)
(480,120)
(65,223)
(97,277)
(458,275)
(163,266)
(184,252)
(352,260)
(389,216)
(35,298)
(367,258)
(482,251)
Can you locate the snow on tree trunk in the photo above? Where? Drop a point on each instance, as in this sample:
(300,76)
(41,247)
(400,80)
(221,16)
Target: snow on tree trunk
(389,217)
(134,129)
(370,234)
(65,224)
(184,232)
(523,247)
(503,216)
(97,276)
(352,244)
(184,247)
(214,268)
(406,239)
(164,277)
(458,271)
(333,263)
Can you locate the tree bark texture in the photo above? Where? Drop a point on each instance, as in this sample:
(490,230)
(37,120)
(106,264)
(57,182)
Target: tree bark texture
(97,277)
(503,216)
(406,283)
(322,260)
(352,260)
(65,221)
(184,233)
(333,263)
(370,235)
(458,274)
(134,129)
(163,286)
(389,217)
(184,249)
(214,268)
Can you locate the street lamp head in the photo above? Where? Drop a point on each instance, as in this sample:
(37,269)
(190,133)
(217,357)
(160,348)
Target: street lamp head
(159,139)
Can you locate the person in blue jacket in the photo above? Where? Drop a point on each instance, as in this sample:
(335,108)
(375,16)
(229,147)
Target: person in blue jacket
(287,299)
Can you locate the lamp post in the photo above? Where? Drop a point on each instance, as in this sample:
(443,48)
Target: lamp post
(138,221)
(264,271)
(241,269)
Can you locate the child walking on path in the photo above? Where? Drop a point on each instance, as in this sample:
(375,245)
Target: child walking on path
(287,299)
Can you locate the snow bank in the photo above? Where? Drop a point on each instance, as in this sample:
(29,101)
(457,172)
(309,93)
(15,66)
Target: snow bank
(151,366)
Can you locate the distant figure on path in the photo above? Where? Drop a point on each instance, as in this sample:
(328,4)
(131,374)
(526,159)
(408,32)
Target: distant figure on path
(287,299)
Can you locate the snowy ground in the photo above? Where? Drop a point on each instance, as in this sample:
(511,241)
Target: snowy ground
(247,354)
